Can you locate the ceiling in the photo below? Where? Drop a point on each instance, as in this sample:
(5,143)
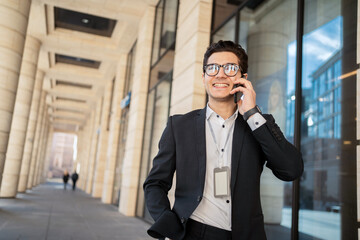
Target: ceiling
(82,41)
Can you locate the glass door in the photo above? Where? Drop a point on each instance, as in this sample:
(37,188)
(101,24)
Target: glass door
(156,118)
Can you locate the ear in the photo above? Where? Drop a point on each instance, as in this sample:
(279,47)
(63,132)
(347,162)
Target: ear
(245,76)
(203,77)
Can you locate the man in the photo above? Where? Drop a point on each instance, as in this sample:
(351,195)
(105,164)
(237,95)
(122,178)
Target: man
(218,154)
(74,178)
(65,178)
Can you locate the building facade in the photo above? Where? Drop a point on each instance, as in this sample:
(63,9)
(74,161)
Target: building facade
(112,72)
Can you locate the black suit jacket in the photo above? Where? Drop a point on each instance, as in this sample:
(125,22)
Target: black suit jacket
(182,148)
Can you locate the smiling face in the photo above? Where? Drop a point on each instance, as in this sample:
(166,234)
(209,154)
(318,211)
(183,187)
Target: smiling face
(218,87)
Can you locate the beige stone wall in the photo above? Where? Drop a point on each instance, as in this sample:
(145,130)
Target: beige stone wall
(84,143)
(131,161)
(103,144)
(81,149)
(14,19)
(192,39)
(93,150)
(80,158)
(114,131)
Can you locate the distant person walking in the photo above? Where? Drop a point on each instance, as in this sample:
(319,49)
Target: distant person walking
(66,177)
(74,178)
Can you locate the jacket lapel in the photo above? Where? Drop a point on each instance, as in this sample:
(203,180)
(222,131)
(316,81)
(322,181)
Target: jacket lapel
(238,140)
(201,144)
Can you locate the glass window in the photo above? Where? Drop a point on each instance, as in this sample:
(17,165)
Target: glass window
(158,107)
(267,31)
(244,25)
(327,189)
(157,31)
(169,26)
(223,9)
(144,166)
(129,78)
(227,32)
(164,29)
(330,80)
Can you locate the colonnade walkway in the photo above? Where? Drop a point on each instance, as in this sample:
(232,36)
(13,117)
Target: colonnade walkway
(49,212)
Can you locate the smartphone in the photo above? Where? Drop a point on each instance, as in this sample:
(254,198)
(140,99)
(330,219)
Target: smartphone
(237,95)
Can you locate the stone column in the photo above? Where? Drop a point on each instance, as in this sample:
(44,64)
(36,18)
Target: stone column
(42,159)
(38,158)
(85,142)
(30,132)
(81,149)
(14,19)
(133,148)
(103,143)
(94,144)
(193,33)
(36,141)
(20,118)
(45,167)
(114,131)
(267,55)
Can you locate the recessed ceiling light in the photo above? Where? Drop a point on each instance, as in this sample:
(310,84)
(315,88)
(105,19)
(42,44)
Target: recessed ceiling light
(85,20)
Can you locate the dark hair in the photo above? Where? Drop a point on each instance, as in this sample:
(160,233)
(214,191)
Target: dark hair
(228,46)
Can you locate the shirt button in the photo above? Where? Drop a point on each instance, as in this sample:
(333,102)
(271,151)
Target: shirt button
(223,126)
(227,201)
(199,198)
(182,220)
(217,115)
(222,150)
(256,123)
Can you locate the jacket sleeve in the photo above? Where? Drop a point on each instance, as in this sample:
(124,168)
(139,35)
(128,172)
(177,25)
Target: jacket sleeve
(282,157)
(157,185)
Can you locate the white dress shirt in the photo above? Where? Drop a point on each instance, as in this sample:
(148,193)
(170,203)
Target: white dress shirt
(216,211)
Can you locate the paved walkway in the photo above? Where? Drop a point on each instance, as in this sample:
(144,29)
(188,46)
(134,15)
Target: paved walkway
(51,213)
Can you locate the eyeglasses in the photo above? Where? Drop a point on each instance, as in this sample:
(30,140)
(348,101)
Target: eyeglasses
(230,69)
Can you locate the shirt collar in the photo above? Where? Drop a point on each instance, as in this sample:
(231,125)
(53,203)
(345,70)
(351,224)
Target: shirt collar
(210,112)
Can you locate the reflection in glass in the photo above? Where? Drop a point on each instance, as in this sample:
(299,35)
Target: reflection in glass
(164,29)
(168,31)
(325,212)
(223,10)
(320,202)
(145,156)
(156,117)
(268,35)
(157,32)
(227,32)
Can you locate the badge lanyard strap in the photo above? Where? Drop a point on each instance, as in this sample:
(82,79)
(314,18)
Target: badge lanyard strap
(221,154)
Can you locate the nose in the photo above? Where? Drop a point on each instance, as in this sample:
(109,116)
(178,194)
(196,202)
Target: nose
(221,72)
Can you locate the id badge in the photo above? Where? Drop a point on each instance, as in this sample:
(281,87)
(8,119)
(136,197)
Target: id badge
(221,182)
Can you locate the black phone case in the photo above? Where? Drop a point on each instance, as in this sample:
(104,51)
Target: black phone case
(237,95)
